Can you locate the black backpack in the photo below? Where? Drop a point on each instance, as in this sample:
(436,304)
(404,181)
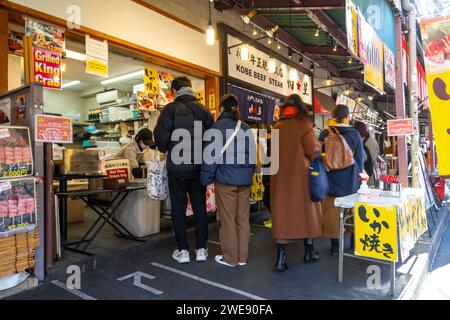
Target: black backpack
(368,165)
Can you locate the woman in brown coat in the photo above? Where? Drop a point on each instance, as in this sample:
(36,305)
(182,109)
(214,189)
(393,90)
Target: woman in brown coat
(294,215)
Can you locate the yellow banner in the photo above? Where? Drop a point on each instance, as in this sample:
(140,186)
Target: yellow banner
(435,34)
(374,69)
(201,97)
(376,231)
(151,83)
(352,27)
(96,67)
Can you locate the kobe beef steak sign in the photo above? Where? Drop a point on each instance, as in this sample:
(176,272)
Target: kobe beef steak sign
(255,71)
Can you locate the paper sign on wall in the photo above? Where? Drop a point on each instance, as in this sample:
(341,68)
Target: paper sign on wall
(53,129)
(47,68)
(201,97)
(97,57)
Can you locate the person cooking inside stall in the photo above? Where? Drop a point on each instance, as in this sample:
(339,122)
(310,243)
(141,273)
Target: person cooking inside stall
(134,151)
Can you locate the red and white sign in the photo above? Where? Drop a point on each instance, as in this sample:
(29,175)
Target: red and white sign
(53,129)
(118,169)
(47,68)
(402,127)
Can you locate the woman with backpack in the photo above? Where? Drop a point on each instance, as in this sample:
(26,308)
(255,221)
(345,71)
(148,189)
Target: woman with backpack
(294,215)
(371,148)
(344,160)
(233,181)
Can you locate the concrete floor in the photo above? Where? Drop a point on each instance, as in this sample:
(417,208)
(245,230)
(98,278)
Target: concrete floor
(209,280)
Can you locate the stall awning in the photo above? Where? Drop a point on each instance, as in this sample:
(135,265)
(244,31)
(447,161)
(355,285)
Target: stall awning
(323,104)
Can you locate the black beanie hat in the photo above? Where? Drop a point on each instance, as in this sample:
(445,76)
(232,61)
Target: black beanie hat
(229,102)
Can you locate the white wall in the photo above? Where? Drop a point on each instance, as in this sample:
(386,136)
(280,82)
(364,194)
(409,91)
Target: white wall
(129,21)
(63,102)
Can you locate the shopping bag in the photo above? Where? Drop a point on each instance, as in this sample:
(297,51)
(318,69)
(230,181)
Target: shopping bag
(157,184)
(211,205)
(318,180)
(257,188)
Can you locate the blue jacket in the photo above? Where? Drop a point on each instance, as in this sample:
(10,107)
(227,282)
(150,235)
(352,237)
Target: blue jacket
(214,168)
(345,182)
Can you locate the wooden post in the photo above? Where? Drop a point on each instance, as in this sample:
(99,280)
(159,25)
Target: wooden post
(3,50)
(28,59)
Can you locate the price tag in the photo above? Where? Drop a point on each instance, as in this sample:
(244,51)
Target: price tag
(4,133)
(5,186)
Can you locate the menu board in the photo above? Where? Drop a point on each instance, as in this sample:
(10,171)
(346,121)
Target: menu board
(17,206)
(53,129)
(16,158)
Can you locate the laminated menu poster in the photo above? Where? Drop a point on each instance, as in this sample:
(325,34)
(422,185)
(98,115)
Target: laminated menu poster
(16,159)
(17,206)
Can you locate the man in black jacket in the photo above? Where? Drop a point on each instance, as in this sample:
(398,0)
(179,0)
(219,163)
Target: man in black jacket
(179,132)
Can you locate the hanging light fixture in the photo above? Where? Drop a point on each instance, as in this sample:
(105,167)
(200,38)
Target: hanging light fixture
(278,46)
(272,65)
(269,41)
(311,67)
(335,48)
(290,53)
(317,33)
(329,81)
(247,16)
(360,99)
(210,32)
(347,91)
(244,52)
(300,60)
(255,32)
(350,60)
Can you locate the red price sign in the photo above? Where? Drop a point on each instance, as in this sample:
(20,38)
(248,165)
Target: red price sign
(402,127)
(53,129)
(117,173)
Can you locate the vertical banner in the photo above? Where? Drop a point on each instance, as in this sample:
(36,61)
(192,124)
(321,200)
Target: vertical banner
(436,38)
(376,231)
(389,67)
(371,52)
(47,68)
(151,84)
(351,19)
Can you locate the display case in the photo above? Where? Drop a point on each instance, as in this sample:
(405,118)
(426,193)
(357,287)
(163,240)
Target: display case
(16,158)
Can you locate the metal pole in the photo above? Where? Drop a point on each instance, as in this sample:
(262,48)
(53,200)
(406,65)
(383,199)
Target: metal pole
(413,97)
(341,244)
(400,104)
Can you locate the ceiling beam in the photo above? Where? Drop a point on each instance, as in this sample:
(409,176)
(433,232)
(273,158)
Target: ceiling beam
(352,75)
(324,20)
(325,51)
(298,5)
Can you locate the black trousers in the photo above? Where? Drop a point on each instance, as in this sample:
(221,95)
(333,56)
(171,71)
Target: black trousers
(182,183)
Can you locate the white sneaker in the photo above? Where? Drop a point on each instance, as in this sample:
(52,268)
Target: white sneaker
(242,263)
(201,255)
(219,259)
(181,256)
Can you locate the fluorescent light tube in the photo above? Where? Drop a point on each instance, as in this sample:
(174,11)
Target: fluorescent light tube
(124,77)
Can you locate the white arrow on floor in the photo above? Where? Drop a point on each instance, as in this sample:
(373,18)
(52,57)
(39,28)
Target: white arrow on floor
(137,276)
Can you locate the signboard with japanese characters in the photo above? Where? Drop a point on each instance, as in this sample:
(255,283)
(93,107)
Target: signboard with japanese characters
(118,169)
(255,70)
(351,19)
(97,57)
(53,129)
(151,81)
(389,66)
(376,231)
(401,127)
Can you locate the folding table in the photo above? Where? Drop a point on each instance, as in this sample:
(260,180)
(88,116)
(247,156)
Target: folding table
(105,212)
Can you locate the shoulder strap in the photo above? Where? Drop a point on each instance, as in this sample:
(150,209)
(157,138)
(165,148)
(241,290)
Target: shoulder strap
(231,138)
